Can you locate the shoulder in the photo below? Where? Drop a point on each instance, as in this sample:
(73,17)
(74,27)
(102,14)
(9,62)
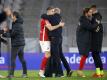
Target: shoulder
(57,15)
(42,21)
(82,18)
(44,16)
(97,14)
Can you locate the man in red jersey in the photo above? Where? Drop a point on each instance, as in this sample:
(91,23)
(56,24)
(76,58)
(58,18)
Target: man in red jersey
(44,40)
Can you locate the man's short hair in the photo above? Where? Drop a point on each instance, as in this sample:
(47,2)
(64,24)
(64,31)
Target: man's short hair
(85,10)
(50,7)
(57,10)
(16,14)
(93,6)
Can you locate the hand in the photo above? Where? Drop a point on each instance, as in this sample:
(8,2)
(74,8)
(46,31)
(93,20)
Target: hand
(48,24)
(62,24)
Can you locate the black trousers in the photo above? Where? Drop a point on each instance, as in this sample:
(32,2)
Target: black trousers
(55,53)
(62,57)
(17,51)
(97,60)
(54,63)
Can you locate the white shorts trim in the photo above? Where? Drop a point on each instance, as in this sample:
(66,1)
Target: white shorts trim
(45,46)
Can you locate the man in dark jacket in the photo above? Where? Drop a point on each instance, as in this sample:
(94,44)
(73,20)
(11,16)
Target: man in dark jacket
(56,42)
(17,42)
(54,59)
(96,46)
(83,35)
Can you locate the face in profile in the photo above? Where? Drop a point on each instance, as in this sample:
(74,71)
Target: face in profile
(90,13)
(50,12)
(93,10)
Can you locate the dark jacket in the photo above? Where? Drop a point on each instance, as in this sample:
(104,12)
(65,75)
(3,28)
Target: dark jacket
(54,20)
(55,45)
(83,35)
(16,33)
(97,37)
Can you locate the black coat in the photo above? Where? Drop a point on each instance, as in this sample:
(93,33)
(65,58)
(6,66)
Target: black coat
(54,59)
(16,33)
(54,20)
(83,35)
(97,37)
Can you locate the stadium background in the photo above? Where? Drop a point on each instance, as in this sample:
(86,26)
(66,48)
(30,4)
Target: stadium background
(71,10)
(31,11)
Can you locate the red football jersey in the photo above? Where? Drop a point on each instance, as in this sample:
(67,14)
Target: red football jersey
(43,31)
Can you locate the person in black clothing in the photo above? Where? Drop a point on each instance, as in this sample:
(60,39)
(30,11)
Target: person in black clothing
(44,40)
(58,34)
(54,59)
(56,43)
(17,42)
(83,37)
(96,46)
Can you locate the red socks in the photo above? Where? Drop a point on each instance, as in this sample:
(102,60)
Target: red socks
(43,64)
(82,62)
(81,66)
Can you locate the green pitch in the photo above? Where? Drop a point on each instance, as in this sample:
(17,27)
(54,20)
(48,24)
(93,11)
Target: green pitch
(33,75)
